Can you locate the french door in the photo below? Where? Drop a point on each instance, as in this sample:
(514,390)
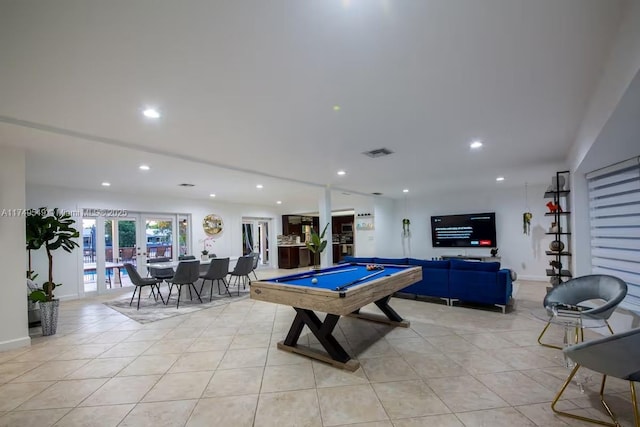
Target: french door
(255,238)
(111,242)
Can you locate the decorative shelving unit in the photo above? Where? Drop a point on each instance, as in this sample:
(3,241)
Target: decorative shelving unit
(560,228)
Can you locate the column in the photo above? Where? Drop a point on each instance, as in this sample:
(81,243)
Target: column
(14,332)
(324,207)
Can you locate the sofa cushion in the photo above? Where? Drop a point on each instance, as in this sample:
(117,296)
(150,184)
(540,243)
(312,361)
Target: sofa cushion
(441,265)
(475,265)
(394,261)
(358,259)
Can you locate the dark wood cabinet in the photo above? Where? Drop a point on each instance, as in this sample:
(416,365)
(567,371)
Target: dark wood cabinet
(288,256)
(291,225)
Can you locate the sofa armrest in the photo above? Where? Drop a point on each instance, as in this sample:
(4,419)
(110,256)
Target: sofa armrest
(504,280)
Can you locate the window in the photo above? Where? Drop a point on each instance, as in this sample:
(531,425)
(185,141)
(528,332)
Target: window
(614,204)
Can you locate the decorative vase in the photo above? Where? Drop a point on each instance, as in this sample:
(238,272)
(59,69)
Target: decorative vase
(49,316)
(556,246)
(204,257)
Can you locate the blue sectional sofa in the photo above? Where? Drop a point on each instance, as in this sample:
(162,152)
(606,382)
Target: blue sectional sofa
(451,280)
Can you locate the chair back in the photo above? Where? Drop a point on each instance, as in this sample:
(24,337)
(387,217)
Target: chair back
(186,257)
(218,269)
(187,272)
(213,256)
(594,286)
(256,258)
(617,355)
(244,266)
(133,274)
(160,259)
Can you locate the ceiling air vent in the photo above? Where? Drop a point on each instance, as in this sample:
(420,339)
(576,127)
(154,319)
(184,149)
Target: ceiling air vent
(380,152)
(377,194)
(184,184)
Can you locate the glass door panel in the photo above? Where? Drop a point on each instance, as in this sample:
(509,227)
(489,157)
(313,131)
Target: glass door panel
(159,237)
(89,243)
(183,235)
(255,238)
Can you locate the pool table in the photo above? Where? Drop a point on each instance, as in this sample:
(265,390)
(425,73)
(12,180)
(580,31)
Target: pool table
(338,291)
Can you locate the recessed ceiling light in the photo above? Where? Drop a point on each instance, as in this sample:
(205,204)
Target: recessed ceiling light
(342,173)
(212,195)
(500,178)
(151,113)
(406,190)
(144,167)
(259,186)
(336,108)
(476,144)
(106,184)
(279,202)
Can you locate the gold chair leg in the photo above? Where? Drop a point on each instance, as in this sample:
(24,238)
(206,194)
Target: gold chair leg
(608,326)
(540,338)
(579,417)
(634,402)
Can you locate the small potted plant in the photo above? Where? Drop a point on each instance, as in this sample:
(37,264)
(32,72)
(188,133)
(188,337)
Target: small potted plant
(53,231)
(316,245)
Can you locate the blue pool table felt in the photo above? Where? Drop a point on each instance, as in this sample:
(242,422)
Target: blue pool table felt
(344,274)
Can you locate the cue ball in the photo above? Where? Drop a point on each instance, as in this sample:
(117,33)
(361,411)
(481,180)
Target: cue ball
(314,280)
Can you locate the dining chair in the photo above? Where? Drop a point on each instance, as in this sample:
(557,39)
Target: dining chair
(187,273)
(618,356)
(218,270)
(241,271)
(141,282)
(576,291)
(256,259)
(186,257)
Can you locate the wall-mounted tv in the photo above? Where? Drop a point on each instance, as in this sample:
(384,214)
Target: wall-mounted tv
(464,231)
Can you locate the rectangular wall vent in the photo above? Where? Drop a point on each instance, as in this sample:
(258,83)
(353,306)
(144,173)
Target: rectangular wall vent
(380,152)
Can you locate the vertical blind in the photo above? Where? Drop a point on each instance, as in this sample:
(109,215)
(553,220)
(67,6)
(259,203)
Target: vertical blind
(614,205)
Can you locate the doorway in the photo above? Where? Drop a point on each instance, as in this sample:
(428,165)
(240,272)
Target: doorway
(111,242)
(256,238)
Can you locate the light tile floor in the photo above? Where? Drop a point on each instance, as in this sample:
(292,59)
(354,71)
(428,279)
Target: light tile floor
(455,366)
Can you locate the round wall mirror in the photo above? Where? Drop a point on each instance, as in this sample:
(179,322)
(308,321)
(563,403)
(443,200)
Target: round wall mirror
(212,225)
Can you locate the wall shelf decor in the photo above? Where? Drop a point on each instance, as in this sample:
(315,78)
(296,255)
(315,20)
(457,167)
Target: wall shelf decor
(559,228)
(212,225)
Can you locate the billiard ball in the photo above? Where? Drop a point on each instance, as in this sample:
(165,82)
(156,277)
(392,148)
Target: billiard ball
(314,280)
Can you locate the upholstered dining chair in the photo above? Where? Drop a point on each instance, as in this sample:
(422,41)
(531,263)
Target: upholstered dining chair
(243,267)
(576,291)
(218,270)
(164,273)
(256,259)
(141,282)
(186,257)
(187,273)
(618,356)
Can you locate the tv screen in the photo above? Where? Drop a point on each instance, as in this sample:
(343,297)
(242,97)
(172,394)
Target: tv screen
(464,231)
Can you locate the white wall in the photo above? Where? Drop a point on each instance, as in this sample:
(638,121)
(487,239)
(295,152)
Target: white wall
(13,304)
(523,253)
(68,267)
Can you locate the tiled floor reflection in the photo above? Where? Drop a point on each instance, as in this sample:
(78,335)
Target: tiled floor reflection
(455,366)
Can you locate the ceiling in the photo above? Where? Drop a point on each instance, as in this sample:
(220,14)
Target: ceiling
(247,91)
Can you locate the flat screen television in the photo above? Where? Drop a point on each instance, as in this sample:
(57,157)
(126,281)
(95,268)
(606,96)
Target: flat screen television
(464,231)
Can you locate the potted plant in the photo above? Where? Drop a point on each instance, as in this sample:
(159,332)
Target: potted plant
(316,245)
(204,253)
(53,231)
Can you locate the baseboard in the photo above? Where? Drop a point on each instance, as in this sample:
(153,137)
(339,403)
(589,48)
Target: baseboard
(533,278)
(17,343)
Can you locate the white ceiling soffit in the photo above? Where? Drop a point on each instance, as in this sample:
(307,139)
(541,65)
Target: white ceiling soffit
(255,86)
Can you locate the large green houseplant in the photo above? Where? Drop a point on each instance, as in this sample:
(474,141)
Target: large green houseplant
(317,244)
(52,230)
